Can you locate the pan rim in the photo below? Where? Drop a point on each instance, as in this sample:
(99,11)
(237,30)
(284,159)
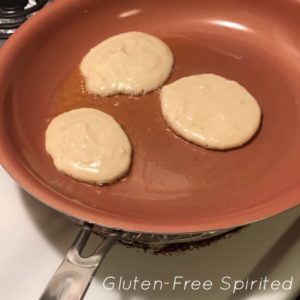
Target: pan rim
(106,220)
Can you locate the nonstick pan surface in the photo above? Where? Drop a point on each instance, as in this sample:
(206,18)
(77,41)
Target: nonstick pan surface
(173,186)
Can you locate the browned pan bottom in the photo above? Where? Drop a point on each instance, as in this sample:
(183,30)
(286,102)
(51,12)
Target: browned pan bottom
(173,186)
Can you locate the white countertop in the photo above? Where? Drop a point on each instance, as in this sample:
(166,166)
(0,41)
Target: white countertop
(35,238)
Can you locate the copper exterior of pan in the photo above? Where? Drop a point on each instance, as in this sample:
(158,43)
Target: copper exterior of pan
(173,186)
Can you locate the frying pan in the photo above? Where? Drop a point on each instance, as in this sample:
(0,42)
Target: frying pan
(174,189)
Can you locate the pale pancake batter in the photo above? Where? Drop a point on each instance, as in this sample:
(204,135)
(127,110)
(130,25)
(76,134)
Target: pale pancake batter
(210,111)
(129,63)
(88,145)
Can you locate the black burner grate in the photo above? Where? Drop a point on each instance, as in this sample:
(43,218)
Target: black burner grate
(13,13)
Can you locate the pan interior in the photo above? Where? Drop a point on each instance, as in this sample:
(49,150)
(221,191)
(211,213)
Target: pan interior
(173,185)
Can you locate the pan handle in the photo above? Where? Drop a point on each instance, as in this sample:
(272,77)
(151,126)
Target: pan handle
(74,275)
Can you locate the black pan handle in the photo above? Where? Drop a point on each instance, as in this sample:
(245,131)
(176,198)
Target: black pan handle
(73,276)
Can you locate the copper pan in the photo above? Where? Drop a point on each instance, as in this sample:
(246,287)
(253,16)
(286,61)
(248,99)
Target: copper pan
(174,187)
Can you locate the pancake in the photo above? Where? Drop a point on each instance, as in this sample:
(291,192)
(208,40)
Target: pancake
(210,111)
(130,63)
(88,145)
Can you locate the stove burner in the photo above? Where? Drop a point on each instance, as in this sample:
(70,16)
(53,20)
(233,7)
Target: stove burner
(163,243)
(15,12)
(168,249)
